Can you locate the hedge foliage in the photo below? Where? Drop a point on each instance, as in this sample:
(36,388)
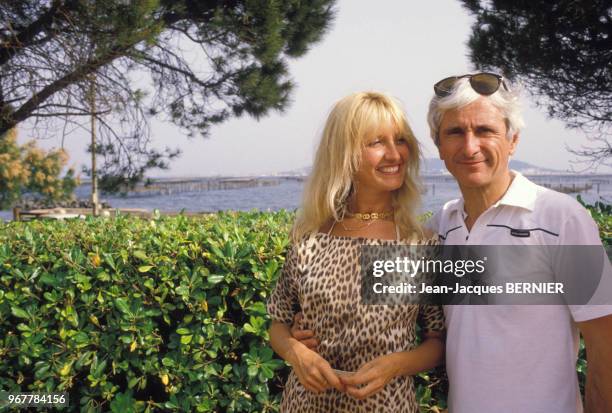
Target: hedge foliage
(134,315)
(131,315)
(602,214)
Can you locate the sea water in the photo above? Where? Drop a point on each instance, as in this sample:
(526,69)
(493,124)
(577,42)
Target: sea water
(437,190)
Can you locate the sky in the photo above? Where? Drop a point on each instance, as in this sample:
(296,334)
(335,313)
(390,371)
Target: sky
(398,47)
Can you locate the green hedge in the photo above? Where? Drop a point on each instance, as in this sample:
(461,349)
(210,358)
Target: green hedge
(135,315)
(602,214)
(131,315)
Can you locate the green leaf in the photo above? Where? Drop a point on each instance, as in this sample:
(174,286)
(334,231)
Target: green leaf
(23,327)
(123,403)
(182,290)
(49,279)
(132,382)
(81,337)
(71,316)
(266,372)
(145,268)
(182,331)
(122,305)
(259,308)
(250,329)
(42,370)
(141,255)
(100,368)
(20,313)
(266,353)
(274,364)
(215,278)
(186,339)
(168,362)
(252,370)
(262,397)
(217,251)
(109,259)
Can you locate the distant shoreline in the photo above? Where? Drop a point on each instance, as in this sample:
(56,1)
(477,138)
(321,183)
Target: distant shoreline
(424,176)
(285,192)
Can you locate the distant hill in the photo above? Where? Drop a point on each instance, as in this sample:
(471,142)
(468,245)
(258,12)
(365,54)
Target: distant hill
(434,166)
(529,169)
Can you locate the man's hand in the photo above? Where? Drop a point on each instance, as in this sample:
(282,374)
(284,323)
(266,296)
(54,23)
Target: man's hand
(314,372)
(373,376)
(597,335)
(306,337)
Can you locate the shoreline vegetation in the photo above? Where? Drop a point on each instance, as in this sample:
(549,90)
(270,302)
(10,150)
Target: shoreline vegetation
(156,314)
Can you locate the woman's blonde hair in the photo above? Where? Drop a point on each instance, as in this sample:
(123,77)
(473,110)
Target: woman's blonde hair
(338,157)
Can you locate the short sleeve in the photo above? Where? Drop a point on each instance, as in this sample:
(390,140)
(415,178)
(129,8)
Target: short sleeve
(431,318)
(283,301)
(581,229)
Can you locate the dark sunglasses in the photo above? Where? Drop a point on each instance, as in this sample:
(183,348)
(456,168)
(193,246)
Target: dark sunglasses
(483,83)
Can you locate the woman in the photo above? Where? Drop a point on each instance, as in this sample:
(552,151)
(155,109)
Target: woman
(363,190)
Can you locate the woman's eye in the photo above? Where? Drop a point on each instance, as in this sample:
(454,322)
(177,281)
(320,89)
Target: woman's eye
(374,143)
(402,141)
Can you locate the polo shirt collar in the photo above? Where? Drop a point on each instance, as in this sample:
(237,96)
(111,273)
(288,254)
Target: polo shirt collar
(521,193)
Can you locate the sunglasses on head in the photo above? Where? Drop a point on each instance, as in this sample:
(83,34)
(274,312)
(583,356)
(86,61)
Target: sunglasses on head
(483,83)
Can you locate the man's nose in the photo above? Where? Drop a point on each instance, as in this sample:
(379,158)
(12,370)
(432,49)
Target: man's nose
(471,144)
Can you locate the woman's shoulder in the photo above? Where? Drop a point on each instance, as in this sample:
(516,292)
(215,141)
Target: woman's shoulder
(327,227)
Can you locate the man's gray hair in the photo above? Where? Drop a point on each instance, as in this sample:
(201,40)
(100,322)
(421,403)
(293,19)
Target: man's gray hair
(463,94)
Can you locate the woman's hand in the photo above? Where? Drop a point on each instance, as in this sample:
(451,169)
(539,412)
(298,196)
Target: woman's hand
(373,376)
(314,372)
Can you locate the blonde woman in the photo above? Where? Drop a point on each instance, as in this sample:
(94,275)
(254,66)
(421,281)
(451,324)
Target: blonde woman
(364,189)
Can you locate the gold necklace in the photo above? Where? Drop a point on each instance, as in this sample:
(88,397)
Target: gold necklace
(371,216)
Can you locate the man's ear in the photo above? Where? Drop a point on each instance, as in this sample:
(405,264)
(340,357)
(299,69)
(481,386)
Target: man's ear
(513,142)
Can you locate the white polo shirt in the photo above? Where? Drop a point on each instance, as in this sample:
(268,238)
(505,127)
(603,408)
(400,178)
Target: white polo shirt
(516,358)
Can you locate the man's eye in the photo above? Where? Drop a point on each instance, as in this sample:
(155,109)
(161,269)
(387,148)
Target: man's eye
(485,131)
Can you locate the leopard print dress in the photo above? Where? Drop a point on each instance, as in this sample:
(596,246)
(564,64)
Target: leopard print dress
(321,278)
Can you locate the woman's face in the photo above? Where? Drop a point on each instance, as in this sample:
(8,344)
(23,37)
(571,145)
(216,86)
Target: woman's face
(383,161)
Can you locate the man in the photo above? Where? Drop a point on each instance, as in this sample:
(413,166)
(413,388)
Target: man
(510,358)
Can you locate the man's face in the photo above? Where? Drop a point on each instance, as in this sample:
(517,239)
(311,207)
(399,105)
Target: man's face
(474,146)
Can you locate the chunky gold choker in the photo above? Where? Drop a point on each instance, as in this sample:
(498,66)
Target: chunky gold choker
(371,216)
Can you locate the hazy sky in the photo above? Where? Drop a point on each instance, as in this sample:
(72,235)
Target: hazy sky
(394,46)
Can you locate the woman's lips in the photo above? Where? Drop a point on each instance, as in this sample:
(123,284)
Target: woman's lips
(389,170)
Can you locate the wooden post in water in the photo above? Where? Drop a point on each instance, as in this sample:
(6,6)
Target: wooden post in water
(16,214)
